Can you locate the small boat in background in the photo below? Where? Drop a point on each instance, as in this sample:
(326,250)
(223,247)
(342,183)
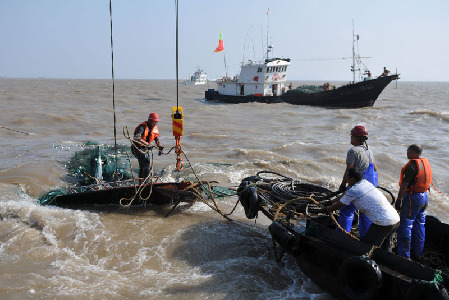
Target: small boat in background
(199,77)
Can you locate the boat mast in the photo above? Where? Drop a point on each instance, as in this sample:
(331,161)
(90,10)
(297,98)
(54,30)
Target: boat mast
(353,53)
(269,47)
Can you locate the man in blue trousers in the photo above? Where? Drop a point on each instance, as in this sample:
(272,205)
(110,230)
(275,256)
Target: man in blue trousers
(412,201)
(361,158)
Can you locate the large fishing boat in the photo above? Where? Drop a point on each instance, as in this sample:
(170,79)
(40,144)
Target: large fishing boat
(351,95)
(199,77)
(258,82)
(266,82)
(338,262)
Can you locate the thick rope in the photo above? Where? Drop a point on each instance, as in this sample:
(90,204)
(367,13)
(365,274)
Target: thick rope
(280,207)
(113,92)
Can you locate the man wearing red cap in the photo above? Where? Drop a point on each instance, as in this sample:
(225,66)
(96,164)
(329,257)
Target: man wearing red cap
(144,134)
(361,158)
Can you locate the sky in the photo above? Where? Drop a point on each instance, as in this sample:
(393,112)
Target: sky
(71,38)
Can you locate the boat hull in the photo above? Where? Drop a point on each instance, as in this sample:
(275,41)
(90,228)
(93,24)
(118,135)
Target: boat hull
(158,194)
(357,95)
(212,94)
(321,253)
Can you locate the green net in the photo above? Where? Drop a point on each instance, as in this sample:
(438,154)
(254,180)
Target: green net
(308,89)
(97,163)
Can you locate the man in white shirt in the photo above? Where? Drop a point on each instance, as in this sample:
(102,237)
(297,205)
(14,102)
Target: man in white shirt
(370,201)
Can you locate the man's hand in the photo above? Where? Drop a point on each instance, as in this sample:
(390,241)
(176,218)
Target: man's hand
(160,150)
(398,204)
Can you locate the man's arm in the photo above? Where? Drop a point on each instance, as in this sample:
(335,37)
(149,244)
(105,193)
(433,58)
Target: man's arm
(402,190)
(343,182)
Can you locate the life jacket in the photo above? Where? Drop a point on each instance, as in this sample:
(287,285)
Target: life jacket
(423,179)
(152,135)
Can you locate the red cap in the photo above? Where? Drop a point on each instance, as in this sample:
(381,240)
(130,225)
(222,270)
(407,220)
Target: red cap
(153,116)
(359,131)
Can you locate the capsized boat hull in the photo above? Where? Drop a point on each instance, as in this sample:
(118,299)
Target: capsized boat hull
(321,253)
(356,95)
(158,194)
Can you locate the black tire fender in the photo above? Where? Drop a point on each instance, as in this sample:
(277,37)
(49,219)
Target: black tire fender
(359,278)
(249,199)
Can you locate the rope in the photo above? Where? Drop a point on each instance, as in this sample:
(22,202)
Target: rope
(438,278)
(192,187)
(370,253)
(113,92)
(317,203)
(7,128)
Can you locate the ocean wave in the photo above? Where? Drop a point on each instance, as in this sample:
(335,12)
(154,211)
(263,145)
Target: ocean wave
(439,115)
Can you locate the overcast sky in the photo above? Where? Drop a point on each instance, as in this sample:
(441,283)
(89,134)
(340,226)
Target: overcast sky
(71,38)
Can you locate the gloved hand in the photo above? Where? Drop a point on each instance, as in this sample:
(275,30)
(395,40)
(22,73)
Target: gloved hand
(160,150)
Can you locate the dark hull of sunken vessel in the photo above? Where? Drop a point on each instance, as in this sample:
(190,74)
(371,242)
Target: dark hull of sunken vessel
(155,194)
(338,263)
(356,95)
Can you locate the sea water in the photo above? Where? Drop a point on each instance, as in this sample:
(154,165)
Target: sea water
(53,253)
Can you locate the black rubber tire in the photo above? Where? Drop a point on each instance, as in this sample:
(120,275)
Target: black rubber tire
(360,278)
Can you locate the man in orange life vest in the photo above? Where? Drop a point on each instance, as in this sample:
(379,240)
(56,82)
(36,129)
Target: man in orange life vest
(412,200)
(144,134)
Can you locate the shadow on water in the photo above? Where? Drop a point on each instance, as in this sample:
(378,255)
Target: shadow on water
(238,260)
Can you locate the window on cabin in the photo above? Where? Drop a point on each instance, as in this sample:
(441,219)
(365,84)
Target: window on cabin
(259,70)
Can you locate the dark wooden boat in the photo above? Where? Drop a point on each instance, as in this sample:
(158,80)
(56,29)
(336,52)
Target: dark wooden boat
(350,269)
(141,195)
(353,95)
(337,262)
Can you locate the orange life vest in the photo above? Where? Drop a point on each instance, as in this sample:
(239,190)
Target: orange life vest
(423,179)
(153,134)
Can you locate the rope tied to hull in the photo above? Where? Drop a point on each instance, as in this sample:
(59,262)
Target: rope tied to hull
(191,187)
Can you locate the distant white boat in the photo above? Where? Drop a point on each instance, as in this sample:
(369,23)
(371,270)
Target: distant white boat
(199,77)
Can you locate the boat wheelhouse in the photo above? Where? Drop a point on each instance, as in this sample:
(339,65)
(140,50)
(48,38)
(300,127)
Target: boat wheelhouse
(199,77)
(257,82)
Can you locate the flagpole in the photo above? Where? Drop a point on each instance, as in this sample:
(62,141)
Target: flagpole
(226,68)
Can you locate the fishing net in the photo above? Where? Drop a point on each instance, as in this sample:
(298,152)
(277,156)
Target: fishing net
(307,89)
(97,163)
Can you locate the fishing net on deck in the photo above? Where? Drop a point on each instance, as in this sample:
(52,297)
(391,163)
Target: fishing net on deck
(307,89)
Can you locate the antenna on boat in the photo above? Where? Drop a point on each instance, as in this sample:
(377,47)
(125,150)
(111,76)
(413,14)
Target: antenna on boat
(113,95)
(269,47)
(396,78)
(353,52)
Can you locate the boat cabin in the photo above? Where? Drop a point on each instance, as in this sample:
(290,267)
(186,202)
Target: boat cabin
(257,78)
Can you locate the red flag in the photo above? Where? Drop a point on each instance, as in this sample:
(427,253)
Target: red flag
(220,47)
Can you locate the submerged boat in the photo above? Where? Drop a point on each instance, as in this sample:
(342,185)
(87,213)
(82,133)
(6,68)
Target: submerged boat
(89,167)
(199,77)
(337,262)
(110,196)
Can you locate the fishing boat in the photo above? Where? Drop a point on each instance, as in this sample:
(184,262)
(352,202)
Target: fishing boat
(352,95)
(266,82)
(257,82)
(199,77)
(337,262)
